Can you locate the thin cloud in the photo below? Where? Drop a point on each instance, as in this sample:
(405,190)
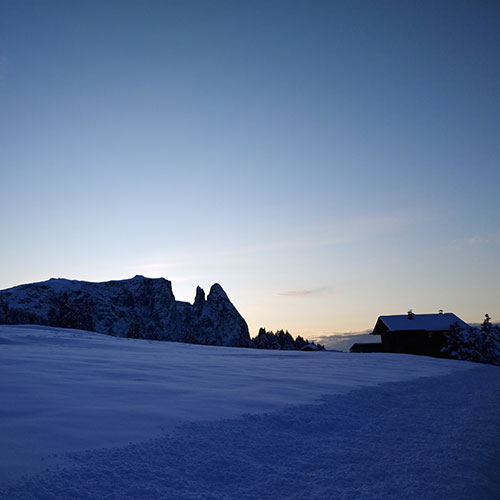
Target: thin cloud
(346,231)
(304,292)
(344,341)
(467,244)
(472,242)
(477,240)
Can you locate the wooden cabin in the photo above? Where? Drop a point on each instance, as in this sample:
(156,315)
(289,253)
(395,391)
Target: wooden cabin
(412,333)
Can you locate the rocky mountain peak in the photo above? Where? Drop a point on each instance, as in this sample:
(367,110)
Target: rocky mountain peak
(217,293)
(139,307)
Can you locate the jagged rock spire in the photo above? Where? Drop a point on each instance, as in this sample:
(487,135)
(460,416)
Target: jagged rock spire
(199,299)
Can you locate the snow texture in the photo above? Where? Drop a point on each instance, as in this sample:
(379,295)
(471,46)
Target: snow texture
(134,419)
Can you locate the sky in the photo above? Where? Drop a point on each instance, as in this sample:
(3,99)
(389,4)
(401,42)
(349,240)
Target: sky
(326,162)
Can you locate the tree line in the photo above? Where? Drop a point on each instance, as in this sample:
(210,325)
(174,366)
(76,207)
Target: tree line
(281,340)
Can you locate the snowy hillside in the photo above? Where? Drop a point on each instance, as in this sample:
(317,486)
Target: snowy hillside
(84,415)
(139,307)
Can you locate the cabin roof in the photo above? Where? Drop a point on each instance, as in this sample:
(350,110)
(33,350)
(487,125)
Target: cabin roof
(310,347)
(427,322)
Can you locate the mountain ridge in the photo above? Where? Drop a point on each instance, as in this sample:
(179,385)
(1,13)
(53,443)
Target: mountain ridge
(138,307)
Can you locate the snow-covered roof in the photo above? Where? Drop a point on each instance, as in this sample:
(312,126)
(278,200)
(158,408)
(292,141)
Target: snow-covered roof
(408,322)
(310,347)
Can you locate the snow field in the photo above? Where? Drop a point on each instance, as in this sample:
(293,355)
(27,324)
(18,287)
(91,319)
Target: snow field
(165,420)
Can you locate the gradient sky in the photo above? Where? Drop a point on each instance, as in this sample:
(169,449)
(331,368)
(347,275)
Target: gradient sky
(326,162)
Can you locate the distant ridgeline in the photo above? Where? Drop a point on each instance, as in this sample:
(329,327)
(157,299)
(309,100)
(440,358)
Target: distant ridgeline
(137,308)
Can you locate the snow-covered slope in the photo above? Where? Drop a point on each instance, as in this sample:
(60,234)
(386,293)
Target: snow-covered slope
(138,307)
(135,419)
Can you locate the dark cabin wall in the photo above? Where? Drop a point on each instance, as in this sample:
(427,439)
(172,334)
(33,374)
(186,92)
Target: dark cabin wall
(414,342)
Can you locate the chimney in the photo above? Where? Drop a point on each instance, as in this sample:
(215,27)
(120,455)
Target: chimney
(410,314)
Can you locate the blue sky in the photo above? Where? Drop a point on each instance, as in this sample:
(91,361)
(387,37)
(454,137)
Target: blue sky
(326,162)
